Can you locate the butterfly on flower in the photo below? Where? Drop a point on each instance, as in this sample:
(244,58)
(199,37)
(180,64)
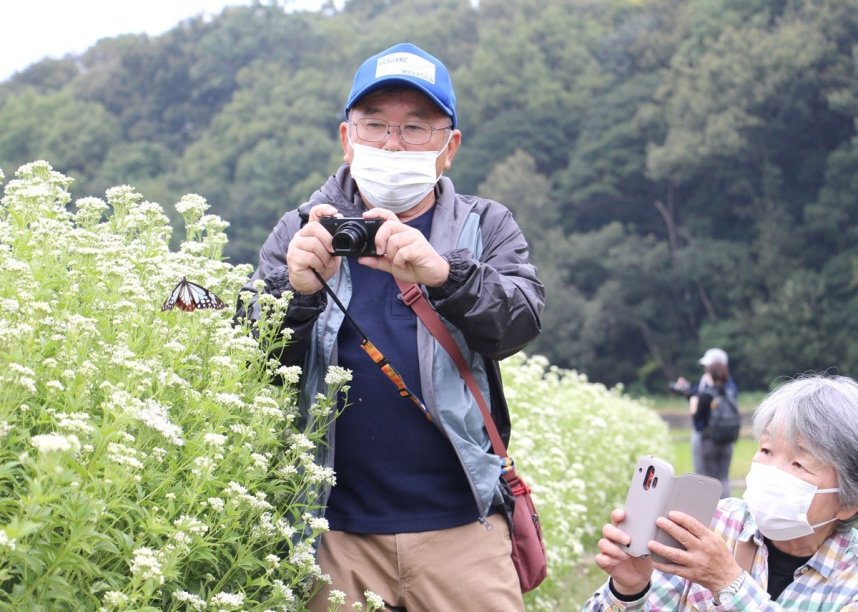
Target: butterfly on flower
(190,296)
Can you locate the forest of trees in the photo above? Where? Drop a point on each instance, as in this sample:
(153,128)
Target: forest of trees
(686,171)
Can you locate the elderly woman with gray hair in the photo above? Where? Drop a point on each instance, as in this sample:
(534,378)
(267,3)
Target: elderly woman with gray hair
(790,542)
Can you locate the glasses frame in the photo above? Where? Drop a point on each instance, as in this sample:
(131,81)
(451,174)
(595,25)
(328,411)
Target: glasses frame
(398,129)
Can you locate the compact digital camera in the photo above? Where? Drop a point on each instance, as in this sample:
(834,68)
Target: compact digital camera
(352,235)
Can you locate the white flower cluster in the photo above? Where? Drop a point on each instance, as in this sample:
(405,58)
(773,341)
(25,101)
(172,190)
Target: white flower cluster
(215,503)
(336,598)
(203,466)
(267,527)
(194,601)
(115,599)
(26,377)
(227,601)
(230,400)
(89,211)
(124,455)
(260,461)
(156,416)
(215,440)
(337,376)
(192,207)
(55,385)
(266,407)
(279,589)
(238,496)
(315,473)
(300,442)
(373,600)
(53,443)
(146,565)
(304,557)
(289,374)
(212,225)
(317,523)
(191,525)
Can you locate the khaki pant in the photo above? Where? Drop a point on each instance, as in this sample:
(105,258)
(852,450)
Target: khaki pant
(458,569)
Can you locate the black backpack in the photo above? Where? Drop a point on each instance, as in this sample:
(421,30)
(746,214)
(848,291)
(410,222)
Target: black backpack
(724,419)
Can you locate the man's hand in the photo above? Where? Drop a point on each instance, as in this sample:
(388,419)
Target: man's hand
(405,253)
(311,249)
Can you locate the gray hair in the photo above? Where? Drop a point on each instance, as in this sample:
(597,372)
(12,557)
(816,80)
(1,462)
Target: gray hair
(822,411)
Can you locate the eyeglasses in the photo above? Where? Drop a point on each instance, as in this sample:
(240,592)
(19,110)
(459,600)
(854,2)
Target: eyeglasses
(371,129)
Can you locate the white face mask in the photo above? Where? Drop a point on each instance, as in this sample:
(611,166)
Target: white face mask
(779,502)
(394,180)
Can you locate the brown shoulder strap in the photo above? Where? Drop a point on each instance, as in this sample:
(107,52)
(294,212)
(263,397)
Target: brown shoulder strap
(413,297)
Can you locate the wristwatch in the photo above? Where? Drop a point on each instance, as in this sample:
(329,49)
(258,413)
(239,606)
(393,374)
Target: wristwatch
(728,592)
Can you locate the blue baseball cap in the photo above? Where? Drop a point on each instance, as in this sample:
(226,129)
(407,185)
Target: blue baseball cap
(409,65)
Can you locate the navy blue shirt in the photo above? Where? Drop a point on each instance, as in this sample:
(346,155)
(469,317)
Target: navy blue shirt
(396,471)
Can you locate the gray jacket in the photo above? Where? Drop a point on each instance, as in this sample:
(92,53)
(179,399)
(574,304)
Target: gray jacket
(491,303)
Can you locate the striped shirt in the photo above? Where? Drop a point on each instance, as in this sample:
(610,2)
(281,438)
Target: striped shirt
(828,582)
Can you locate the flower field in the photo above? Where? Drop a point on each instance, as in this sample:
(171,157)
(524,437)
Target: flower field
(147,463)
(576,444)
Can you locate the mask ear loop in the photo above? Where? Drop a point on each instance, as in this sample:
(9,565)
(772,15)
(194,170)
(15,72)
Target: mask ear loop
(446,142)
(823,523)
(831,520)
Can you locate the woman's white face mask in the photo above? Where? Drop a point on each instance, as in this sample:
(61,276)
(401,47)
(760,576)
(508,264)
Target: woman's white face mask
(394,180)
(779,502)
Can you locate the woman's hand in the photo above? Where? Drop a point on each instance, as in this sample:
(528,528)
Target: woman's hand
(630,574)
(706,561)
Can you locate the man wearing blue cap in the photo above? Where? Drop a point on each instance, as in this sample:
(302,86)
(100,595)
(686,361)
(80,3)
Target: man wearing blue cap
(416,515)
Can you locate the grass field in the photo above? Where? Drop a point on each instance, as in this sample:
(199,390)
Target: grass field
(748,400)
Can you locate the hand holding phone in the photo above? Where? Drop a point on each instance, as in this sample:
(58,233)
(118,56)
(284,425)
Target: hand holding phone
(653,492)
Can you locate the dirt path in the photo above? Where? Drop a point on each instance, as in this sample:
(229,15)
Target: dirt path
(677,419)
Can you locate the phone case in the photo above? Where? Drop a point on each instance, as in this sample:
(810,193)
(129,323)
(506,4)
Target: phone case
(646,500)
(654,491)
(695,495)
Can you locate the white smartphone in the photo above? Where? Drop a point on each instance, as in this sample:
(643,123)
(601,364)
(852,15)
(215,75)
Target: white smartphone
(653,492)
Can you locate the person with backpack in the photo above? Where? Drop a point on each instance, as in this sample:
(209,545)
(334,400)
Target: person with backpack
(716,421)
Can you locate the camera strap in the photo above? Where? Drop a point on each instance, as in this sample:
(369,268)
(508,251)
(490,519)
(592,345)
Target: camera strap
(376,355)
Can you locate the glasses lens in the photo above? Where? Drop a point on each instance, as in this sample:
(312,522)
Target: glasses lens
(376,130)
(415,133)
(372,130)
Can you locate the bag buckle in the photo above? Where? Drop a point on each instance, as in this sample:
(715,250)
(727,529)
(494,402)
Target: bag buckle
(518,487)
(411,295)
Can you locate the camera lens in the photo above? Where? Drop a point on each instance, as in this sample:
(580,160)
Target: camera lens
(349,239)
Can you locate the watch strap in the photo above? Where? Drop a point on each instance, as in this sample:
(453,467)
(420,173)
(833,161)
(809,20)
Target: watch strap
(726,594)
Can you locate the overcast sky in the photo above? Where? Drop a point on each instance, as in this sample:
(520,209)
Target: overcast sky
(31,30)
